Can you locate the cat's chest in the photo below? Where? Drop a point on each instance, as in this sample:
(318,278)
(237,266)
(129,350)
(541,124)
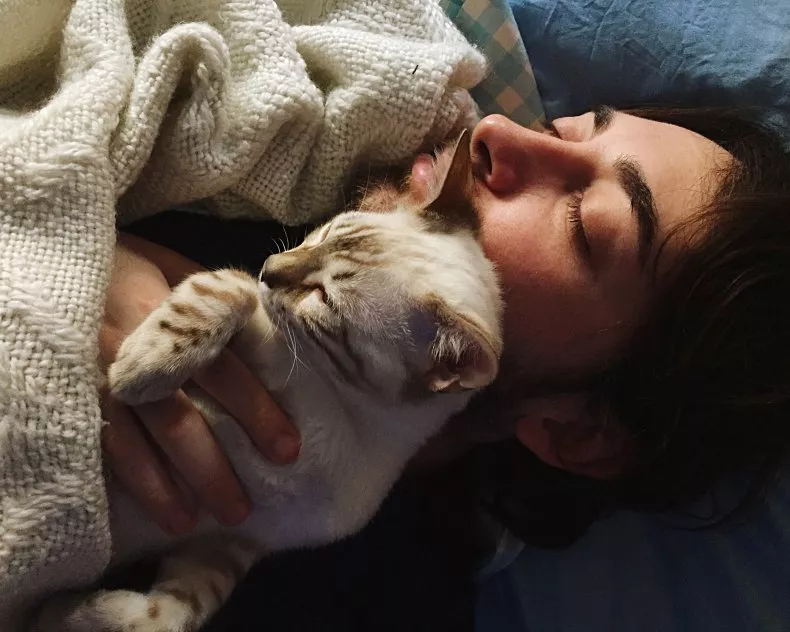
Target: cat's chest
(265,350)
(293,375)
(303,392)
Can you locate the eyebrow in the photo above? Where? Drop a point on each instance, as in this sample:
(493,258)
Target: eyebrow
(643,205)
(602,118)
(631,178)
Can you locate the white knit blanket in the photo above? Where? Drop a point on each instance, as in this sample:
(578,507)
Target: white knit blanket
(140,106)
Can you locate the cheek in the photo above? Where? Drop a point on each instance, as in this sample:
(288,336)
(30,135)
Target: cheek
(528,256)
(505,233)
(555,319)
(534,278)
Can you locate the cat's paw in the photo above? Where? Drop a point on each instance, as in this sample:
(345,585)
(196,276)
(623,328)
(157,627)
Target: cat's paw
(116,611)
(146,369)
(182,335)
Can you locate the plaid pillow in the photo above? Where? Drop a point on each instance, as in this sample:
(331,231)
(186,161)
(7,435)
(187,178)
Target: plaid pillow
(510,87)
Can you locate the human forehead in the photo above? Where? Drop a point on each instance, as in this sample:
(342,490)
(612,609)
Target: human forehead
(672,152)
(682,168)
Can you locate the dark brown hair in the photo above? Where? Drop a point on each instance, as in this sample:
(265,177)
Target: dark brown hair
(705,385)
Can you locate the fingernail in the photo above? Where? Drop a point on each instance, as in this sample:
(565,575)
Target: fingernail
(286,449)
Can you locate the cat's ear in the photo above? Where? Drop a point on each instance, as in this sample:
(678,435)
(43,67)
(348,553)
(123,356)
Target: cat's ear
(464,352)
(452,205)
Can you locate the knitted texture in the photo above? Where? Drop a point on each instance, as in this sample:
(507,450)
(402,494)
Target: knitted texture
(139,106)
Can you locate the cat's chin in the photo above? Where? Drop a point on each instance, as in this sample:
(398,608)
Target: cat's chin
(266,295)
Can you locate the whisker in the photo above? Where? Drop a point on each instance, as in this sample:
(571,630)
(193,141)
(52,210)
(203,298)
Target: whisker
(291,342)
(299,359)
(276,249)
(287,338)
(343,197)
(367,186)
(272,332)
(293,351)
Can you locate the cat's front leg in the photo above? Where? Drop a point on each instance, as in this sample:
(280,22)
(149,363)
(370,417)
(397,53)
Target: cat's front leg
(193,583)
(185,333)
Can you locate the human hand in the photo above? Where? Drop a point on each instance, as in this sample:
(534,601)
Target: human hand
(145,445)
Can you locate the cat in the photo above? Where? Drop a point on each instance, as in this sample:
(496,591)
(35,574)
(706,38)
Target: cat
(370,334)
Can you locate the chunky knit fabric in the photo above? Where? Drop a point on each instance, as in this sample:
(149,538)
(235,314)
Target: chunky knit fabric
(112,110)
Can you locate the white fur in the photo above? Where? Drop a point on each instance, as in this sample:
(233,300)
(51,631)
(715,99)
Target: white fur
(356,438)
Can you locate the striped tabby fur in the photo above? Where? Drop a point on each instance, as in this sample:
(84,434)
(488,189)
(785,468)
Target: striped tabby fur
(370,335)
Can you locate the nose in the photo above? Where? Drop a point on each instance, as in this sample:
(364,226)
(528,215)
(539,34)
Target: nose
(509,157)
(286,269)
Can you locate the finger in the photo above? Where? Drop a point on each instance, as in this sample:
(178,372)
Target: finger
(138,468)
(174,266)
(110,340)
(238,391)
(180,431)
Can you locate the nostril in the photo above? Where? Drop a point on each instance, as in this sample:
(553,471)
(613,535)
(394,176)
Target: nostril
(482,158)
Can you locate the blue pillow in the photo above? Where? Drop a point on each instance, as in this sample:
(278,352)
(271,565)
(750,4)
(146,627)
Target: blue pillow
(640,573)
(689,52)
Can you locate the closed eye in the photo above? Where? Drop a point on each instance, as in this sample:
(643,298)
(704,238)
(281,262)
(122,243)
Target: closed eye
(576,225)
(343,276)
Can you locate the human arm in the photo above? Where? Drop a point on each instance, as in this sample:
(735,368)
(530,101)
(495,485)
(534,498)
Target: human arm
(146,445)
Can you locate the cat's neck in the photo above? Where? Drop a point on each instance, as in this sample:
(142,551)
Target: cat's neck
(305,383)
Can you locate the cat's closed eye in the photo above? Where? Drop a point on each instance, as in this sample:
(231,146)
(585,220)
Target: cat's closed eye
(343,276)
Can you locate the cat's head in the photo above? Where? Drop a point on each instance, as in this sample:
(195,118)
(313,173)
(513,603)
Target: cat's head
(403,298)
